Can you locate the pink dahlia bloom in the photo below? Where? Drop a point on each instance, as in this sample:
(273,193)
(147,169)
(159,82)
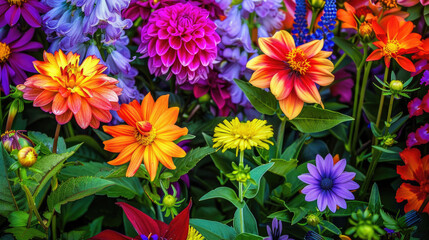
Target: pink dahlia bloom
(180,40)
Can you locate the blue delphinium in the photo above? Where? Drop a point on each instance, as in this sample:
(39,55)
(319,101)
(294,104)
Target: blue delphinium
(300,27)
(327,25)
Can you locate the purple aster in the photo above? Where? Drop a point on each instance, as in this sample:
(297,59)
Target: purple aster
(11,11)
(180,40)
(13,62)
(216,8)
(425,78)
(412,140)
(328,183)
(422,134)
(414,107)
(275,231)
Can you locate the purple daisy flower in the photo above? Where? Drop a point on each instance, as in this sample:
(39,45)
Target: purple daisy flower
(14,63)
(11,11)
(328,183)
(180,40)
(275,231)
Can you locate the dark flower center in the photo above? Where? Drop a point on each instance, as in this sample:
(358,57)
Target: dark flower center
(326,183)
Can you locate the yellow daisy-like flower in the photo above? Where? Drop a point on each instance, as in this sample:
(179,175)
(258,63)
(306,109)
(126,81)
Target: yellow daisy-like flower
(193,234)
(242,135)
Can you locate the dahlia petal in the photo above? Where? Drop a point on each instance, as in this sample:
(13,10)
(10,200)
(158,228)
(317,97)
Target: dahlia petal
(129,114)
(406,63)
(264,61)
(175,42)
(281,85)
(392,28)
(147,106)
(47,108)
(201,43)
(151,48)
(84,115)
(59,105)
(307,91)
(30,93)
(162,46)
(125,155)
(167,118)
(110,235)
(44,98)
(64,118)
(117,144)
(120,130)
(321,76)
(291,106)
(165,159)
(184,57)
(273,48)
(375,55)
(136,160)
(323,54)
(168,58)
(74,102)
(312,48)
(191,47)
(404,31)
(160,106)
(101,115)
(171,133)
(108,94)
(170,148)
(150,161)
(320,64)
(98,101)
(286,38)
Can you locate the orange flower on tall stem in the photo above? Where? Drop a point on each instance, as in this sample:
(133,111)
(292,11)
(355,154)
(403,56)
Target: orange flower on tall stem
(415,169)
(148,137)
(66,88)
(394,42)
(291,72)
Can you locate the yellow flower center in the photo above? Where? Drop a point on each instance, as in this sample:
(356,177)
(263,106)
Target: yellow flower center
(365,29)
(193,234)
(297,60)
(145,133)
(391,48)
(388,4)
(4,52)
(16,2)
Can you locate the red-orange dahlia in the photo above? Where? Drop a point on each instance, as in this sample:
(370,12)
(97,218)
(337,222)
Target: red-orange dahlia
(148,137)
(415,169)
(394,41)
(66,88)
(291,72)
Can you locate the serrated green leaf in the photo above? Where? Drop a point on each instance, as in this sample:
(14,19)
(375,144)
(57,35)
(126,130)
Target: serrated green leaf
(256,174)
(74,189)
(312,119)
(298,214)
(331,227)
(225,193)
(212,230)
(349,48)
(263,101)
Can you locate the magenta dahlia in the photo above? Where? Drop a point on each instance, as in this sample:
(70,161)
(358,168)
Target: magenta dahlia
(180,40)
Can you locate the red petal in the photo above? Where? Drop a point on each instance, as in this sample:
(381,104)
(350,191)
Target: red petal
(83,117)
(110,235)
(179,226)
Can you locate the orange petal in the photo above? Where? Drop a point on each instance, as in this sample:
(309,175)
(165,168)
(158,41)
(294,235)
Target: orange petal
(118,143)
(291,106)
(101,115)
(392,28)
(311,48)
(64,118)
(167,118)
(42,81)
(120,130)
(273,48)
(98,101)
(413,163)
(406,63)
(375,55)
(307,91)
(165,160)
(150,162)
(129,114)
(95,123)
(264,61)
(59,105)
(136,105)
(321,63)
(136,160)
(170,148)
(74,102)
(405,30)
(261,78)
(281,85)
(321,76)
(171,133)
(147,106)
(161,105)
(44,98)
(83,117)
(286,39)
(347,18)
(323,54)
(125,155)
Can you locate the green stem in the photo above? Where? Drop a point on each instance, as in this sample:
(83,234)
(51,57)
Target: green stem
(32,205)
(313,19)
(57,134)
(280,136)
(241,195)
(70,129)
(159,213)
(54,226)
(389,112)
(380,107)
(340,60)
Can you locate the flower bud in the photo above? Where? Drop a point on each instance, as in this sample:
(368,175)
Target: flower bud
(12,140)
(389,141)
(27,156)
(366,31)
(316,4)
(313,220)
(396,86)
(169,201)
(205,98)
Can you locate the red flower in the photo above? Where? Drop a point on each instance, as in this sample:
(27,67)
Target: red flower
(146,226)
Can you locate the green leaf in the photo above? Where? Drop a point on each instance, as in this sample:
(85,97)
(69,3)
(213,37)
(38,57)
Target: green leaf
(263,101)
(352,206)
(250,224)
(23,233)
(330,227)
(292,151)
(18,219)
(47,142)
(256,174)
(183,138)
(312,119)
(248,236)
(349,48)
(212,230)
(102,135)
(225,193)
(74,189)
(415,12)
(283,215)
(75,210)
(48,166)
(282,167)
(374,204)
(222,160)
(183,165)
(384,150)
(88,140)
(298,213)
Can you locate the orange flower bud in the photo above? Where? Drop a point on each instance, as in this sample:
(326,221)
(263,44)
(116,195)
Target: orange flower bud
(27,156)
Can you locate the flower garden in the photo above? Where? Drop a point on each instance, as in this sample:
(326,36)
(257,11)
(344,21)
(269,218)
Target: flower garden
(214,119)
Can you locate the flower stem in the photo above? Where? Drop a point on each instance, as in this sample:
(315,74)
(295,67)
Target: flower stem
(241,195)
(57,134)
(423,206)
(32,205)
(380,107)
(389,112)
(280,136)
(313,18)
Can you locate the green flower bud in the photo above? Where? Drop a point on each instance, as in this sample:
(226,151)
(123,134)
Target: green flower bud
(389,142)
(205,98)
(313,220)
(27,156)
(169,201)
(396,86)
(316,4)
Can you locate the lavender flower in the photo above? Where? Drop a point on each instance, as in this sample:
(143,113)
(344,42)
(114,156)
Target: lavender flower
(275,232)
(328,183)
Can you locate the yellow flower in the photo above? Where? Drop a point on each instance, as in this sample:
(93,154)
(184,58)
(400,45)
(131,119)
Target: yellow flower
(242,135)
(193,234)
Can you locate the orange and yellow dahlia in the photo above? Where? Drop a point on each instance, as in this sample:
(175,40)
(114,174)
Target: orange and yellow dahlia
(291,72)
(415,169)
(395,40)
(66,88)
(148,137)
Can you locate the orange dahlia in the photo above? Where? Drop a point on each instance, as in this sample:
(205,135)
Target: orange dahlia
(395,40)
(148,136)
(66,88)
(415,169)
(291,72)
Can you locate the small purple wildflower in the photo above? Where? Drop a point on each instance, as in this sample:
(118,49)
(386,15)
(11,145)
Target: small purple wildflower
(275,231)
(425,78)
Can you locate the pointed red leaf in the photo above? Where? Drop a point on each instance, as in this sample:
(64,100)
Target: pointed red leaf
(178,228)
(110,235)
